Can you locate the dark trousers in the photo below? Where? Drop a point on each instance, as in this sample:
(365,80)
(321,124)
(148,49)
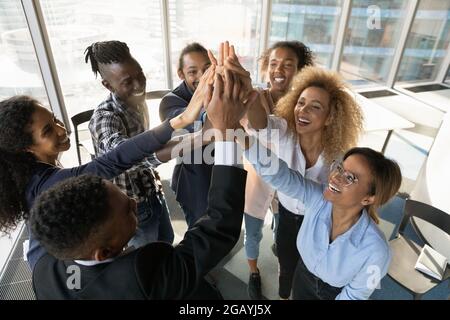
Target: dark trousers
(307,286)
(286,239)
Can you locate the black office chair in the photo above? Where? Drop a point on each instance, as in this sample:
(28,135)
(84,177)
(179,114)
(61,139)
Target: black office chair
(156,94)
(78,119)
(405,252)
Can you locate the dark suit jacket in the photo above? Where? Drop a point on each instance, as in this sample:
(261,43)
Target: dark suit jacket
(158,270)
(187,175)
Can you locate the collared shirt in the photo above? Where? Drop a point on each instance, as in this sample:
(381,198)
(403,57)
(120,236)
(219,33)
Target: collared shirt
(284,143)
(111,124)
(356,260)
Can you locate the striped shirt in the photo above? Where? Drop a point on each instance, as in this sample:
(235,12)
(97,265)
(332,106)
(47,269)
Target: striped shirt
(111,124)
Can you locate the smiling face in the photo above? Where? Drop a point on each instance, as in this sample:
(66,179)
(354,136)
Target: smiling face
(126,80)
(312,111)
(358,193)
(194,65)
(49,135)
(282,68)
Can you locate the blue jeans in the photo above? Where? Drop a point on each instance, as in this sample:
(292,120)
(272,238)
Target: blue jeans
(153,222)
(252,236)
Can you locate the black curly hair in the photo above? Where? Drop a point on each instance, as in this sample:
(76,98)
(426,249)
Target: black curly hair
(304,54)
(106,52)
(64,217)
(16,164)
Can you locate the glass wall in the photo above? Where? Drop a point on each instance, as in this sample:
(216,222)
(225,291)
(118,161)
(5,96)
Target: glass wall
(74,25)
(20,73)
(371,39)
(314,22)
(428,42)
(211,22)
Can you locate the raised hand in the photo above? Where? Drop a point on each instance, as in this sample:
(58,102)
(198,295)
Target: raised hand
(227,59)
(226,108)
(201,98)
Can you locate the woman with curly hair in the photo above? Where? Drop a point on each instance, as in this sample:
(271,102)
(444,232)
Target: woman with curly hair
(316,122)
(31,139)
(279,64)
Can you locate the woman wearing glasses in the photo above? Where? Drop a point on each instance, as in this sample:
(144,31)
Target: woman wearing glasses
(316,122)
(343,253)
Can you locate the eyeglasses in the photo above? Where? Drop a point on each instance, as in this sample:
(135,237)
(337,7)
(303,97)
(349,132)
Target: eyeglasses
(345,177)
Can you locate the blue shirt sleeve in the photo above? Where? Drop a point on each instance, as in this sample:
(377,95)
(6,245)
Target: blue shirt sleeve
(368,279)
(276,172)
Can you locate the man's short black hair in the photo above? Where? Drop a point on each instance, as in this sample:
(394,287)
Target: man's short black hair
(192,47)
(106,52)
(65,216)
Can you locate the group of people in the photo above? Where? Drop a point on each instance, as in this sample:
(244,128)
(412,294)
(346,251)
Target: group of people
(107,221)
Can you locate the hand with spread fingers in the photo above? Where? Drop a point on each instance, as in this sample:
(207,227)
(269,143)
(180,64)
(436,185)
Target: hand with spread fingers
(226,108)
(227,59)
(201,97)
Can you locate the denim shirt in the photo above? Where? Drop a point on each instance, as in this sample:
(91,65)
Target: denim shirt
(356,260)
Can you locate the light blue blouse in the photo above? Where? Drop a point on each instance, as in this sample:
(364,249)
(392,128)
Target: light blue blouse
(356,260)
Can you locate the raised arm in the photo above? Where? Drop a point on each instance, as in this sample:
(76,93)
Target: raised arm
(216,233)
(276,172)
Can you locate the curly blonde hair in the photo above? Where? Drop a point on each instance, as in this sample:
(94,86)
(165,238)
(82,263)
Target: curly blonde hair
(346,115)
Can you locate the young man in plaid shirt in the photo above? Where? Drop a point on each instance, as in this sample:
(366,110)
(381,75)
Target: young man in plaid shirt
(122,115)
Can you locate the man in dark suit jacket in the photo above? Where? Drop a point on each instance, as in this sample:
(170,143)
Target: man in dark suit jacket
(85,222)
(192,64)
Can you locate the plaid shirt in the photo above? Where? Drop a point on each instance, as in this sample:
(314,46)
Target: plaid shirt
(111,124)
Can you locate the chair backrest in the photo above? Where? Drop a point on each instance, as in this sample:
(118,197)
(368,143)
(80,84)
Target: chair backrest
(156,94)
(430,214)
(78,119)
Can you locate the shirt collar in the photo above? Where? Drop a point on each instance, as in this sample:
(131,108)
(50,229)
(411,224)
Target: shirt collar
(356,232)
(117,102)
(360,228)
(320,163)
(184,92)
(91,263)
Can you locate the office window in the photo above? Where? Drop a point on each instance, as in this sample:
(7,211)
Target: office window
(313,22)
(371,39)
(428,42)
(73,25)
(211,22)
(20,71)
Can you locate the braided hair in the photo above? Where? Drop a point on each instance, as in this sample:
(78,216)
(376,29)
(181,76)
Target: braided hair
(106,52)
(16,164)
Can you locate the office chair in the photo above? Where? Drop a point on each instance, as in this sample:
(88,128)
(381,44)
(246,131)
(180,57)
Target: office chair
(156,94)
(77,120)
(405,252)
